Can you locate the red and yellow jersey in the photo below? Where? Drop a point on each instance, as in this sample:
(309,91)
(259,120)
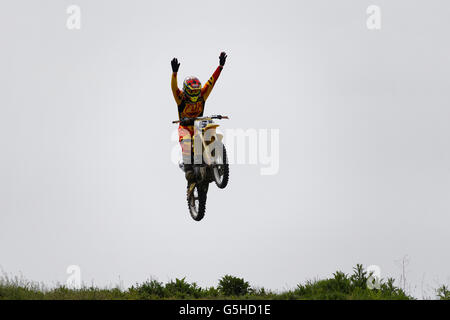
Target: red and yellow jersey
(187,108)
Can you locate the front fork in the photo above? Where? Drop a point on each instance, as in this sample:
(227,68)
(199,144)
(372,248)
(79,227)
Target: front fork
(203,145)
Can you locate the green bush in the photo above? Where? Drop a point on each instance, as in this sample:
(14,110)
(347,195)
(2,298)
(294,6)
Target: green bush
(181,289)
(149,289)
(233,286)
(443,293)
(343,287)
(359,277)
(338,287)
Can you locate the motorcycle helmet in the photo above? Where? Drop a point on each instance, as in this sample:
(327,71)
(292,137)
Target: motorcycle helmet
(192,88)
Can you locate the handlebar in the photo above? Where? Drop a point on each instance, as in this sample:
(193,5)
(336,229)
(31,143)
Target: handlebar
(191,120)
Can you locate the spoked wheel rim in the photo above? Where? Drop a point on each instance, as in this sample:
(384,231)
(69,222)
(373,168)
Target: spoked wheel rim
(218,170)
(221,169)
(197,202)
(194,203)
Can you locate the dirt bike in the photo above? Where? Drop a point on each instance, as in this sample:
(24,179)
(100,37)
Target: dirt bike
(209,162)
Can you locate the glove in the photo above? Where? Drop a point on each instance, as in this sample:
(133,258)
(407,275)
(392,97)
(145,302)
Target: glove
(187,121)
(175,64)
(222,58)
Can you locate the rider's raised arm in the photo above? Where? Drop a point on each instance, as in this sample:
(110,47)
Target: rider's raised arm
(206,90)
(177,94)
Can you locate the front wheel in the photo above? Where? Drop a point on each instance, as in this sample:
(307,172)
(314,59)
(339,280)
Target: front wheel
(221,169)
(197,202)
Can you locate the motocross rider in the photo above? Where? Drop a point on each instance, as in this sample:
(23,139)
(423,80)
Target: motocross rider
(191,104)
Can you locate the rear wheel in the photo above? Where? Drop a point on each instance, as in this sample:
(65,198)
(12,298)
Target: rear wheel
(221,169)
(197,202)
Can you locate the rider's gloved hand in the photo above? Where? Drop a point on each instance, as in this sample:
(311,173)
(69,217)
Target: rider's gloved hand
(222,58)
(175,64)
(187,121)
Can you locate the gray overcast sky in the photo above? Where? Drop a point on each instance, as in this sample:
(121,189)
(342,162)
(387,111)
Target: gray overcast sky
(86,175)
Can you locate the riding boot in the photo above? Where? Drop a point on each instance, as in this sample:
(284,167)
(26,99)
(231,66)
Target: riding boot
(189,173)
(190,177)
